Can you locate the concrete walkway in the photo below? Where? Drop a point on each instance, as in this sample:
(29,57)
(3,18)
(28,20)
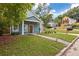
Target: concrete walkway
(54,39)
(74,50)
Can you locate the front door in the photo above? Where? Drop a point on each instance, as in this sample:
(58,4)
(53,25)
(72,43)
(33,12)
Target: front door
(30,28)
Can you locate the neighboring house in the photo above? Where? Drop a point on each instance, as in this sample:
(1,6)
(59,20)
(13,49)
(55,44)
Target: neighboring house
(52,24)
(71,21)
(67,20)
(32,24)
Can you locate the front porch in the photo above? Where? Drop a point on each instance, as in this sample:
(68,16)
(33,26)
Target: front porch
(27,27)
(31,27)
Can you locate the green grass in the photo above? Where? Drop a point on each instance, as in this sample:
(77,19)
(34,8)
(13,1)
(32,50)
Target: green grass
(64,31)
(30,45)
(58,34)
(74,31)
(65,37)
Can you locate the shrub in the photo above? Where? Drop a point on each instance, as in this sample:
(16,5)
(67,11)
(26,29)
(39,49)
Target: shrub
(1,33)
(48,31)
(4,28)
(75,25)
(15,33)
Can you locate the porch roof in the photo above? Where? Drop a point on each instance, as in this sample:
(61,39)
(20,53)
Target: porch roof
(32,21)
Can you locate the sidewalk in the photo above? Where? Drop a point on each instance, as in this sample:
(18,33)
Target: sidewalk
(54,39)
(74,50)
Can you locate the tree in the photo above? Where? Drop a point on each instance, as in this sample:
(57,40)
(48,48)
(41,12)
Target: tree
(72,13)
(58,19)
(43,12)
(47,18)
(13,13)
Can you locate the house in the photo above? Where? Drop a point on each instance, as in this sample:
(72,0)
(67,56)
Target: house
(32,24)
(67,20)
(52,24)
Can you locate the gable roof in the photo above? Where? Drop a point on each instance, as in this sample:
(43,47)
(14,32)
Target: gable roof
(32,19)
(36,16)
(31,14)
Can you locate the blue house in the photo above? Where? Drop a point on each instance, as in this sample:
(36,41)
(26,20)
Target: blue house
(32,24)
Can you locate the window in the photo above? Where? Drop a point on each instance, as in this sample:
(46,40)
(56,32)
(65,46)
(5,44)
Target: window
(25,28)
(15,28)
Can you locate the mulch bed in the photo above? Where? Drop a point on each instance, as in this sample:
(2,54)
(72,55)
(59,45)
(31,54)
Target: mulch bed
(4,39)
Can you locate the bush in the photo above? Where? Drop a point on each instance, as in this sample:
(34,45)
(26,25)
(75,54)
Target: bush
(15,33)
(48,31)
(4,28)
(75,25)
(1,33)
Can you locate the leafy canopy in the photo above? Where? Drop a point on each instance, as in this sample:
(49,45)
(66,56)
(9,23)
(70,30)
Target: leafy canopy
(14,13)
(43,12)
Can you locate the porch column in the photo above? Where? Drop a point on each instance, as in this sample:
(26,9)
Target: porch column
(22,27)
(41,27)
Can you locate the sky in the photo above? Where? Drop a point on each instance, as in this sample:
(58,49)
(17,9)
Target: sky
(60,8)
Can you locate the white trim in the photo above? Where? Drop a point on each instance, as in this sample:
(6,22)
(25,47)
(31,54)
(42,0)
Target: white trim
(33,28)
(31,20)
(22,27)
(41,27)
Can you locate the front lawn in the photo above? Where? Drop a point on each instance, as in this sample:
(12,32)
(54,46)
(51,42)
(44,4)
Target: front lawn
(30,45)
(74,31)
(66,37)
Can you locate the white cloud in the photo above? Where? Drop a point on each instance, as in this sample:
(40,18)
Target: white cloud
(64,11)
(74,5)
(57,14)
(48,4)
(52,11)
